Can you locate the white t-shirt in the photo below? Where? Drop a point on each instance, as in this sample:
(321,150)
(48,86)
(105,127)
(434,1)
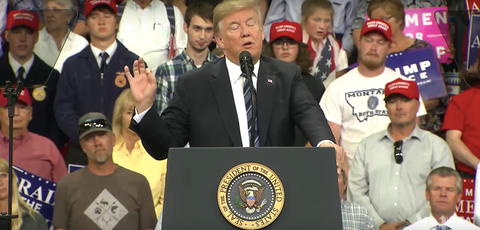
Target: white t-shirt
(357,104)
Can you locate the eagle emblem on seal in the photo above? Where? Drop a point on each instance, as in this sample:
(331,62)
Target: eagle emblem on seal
(251,193)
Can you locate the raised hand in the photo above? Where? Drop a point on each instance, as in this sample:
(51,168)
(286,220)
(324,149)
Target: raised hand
(143,85)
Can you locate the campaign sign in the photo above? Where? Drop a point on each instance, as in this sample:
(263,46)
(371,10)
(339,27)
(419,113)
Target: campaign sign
(431,25)
(473,40)
(37,192)
(466,205)
(419,65)
(74,167)
(472,6)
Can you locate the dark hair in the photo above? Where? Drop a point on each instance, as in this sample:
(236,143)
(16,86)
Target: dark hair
(303,57)
(201,9)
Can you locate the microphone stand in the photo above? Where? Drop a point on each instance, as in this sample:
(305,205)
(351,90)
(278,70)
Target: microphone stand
(12,95)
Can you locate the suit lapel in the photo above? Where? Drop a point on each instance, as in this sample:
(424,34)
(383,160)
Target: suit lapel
(266,93)
(222,90)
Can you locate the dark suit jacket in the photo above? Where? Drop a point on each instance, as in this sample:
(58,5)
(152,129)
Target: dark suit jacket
(43,117)
(316,88)
(203,112)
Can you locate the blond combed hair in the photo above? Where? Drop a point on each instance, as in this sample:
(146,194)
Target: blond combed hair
(18,204)
(123,101)
(228,7)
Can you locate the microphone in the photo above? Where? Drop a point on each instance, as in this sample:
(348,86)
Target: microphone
(246,65)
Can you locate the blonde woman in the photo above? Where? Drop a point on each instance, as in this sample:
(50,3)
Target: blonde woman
(129,152)
(28,219)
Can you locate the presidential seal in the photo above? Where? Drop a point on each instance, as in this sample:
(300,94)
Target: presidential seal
(250,196)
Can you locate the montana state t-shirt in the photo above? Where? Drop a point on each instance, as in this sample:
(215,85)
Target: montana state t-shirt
(357,104)
(119,201)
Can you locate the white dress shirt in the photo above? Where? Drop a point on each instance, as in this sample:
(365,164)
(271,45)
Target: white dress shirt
(146,32)
(46,48)
(476,208)
(15,65)
(110,51)
(454,222)
(234,72)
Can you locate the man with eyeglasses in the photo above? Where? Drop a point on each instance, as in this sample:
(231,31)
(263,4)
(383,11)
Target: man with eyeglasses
(102,195)
(390,167)
(32,152)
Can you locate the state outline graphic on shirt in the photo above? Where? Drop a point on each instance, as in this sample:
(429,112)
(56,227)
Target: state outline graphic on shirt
(106,211)
(365,103)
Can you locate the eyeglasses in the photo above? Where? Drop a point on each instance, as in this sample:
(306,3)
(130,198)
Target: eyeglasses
(93,124)
(279,43)
(397,151)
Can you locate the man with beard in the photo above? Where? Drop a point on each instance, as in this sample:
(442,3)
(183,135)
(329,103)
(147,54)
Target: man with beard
(83,197)
(353,103)
(198,26)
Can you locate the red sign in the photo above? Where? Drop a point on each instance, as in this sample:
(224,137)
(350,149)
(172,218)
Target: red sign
(472,6)
(465,206)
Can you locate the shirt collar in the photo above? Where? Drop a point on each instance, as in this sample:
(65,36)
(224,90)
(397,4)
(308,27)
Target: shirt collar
(15,65)
(110,50)
(44,35)
(451,222)
(235,72)
(415,134)
(184,56)
(22,138)
(121,147)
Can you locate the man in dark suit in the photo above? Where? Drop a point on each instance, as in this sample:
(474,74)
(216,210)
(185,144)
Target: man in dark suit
(208,108)
(39,78)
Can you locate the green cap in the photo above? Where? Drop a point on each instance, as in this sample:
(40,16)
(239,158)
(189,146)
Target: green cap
(93,122)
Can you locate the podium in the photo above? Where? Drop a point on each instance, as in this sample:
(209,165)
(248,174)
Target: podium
(252,188)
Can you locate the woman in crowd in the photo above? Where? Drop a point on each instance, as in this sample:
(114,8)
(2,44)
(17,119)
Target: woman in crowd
(286,45)
(392,11)
(27,219)
(129,152)
(56,42)
(329,60)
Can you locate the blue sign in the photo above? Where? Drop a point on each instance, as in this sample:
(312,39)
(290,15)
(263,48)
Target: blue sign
(37,192)
(74,167)
(422,66)
(473,40)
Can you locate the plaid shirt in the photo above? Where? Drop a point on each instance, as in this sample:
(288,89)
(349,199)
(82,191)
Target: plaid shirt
(355,217)
(168,73)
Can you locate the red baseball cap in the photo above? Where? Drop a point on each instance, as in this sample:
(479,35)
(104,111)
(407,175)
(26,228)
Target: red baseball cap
(286,28)
(90,4)
(407,88)
(24,97)
(22,18)
(377,25)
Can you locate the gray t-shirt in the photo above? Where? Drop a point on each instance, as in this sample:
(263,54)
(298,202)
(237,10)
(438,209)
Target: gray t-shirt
(119,201)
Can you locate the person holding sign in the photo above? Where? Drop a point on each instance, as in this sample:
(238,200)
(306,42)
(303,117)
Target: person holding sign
(102,195)
(393,12)
(443,191)
(28,219)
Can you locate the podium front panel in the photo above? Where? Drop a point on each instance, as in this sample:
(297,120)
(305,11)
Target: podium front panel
(310,199)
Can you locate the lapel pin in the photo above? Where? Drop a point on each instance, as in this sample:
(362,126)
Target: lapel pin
(269,80)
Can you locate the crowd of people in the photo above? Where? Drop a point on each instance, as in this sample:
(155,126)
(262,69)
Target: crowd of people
(83,62)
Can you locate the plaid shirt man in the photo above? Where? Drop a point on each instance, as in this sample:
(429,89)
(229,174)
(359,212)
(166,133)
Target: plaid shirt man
(168,73)
(355,216)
